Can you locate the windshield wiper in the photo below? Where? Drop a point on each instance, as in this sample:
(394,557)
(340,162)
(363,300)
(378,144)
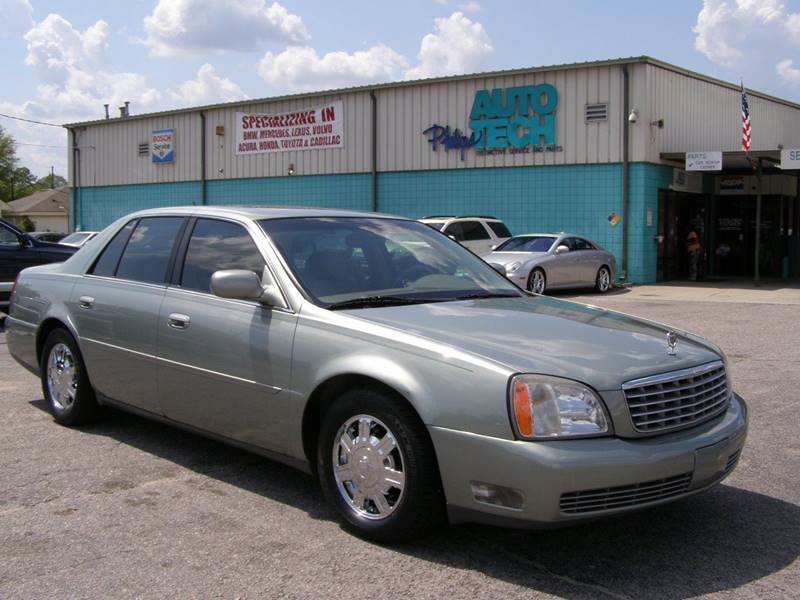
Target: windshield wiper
(376,301)
(481,295)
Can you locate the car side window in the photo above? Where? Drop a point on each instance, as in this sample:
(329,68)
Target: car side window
(456,230)
(581,244)
(499,229)
(146,256)
(569,243)
(106,264)
(8,237)
(215,246)
(474,231)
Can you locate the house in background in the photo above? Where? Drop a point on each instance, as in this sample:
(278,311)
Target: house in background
(47,210)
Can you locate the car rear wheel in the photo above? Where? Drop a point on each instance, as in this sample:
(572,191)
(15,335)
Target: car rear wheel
(65,384)
(377,468)
(603,280)
(537,282)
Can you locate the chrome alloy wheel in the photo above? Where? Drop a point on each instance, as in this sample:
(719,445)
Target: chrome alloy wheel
(368,467)
(603,280)
(538,282)
(62,376)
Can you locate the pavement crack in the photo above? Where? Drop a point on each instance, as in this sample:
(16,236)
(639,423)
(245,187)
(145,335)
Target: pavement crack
(542,568)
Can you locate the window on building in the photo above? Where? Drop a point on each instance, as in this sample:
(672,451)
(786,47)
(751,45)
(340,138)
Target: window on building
(106,265)
(146,257)
(215,246)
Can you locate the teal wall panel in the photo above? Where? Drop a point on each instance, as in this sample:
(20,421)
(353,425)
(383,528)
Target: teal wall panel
(577,198)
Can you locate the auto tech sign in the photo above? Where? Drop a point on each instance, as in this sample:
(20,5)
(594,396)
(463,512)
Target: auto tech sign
(162,145)
(314,128)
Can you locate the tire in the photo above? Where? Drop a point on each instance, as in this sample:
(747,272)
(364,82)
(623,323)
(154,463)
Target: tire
(407,506)
(65,385)
(602,282)
(537,281)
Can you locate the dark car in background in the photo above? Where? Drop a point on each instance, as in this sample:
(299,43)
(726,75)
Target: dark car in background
(18,250)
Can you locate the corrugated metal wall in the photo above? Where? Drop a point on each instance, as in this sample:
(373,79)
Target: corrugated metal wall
(700,115)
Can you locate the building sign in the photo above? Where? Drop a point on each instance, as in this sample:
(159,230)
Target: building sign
(683,181)
(790,158)
(162,145)
(315,128)
(704,161)
(731,184)
(515,120)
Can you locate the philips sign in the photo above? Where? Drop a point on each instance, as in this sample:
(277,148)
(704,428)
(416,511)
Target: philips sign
(515,120)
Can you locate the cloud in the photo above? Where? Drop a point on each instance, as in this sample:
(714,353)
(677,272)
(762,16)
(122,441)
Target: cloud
(182,26)
(744,36)
(457,45)
(207,88)
(301,68)
(17,17)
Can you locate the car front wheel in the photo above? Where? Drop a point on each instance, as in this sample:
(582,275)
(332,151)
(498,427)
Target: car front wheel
(376,466)
(65,384)
(537,282)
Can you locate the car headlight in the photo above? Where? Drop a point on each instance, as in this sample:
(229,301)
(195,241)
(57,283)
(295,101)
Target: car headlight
(550,407)
(511,267)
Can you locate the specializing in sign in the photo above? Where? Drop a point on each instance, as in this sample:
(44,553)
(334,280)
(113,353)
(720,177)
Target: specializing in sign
(162,145)
(704,161)
(515,120)
(315,128)
(790,158)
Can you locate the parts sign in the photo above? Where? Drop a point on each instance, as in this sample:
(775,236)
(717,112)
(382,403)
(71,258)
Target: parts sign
(314,128)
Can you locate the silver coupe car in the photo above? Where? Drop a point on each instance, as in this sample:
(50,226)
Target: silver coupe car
(412,379)
(548,261)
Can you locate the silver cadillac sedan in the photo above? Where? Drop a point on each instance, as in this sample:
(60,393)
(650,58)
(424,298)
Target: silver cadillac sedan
(547,261)
(417,383)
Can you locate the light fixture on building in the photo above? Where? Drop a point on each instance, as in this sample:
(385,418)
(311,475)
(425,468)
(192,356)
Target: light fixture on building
(657,123)
(634,116)
(290,171)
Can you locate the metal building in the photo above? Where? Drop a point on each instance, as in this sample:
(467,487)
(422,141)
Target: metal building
(597,148)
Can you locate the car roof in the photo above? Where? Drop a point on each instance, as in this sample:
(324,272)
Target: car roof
(456,218)
(262,212)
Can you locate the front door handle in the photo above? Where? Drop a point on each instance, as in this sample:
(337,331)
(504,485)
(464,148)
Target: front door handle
(86,301)
(178,321)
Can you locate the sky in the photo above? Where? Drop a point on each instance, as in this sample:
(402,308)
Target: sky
(63,60)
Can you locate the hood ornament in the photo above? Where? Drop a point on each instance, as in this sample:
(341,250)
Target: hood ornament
(672,343)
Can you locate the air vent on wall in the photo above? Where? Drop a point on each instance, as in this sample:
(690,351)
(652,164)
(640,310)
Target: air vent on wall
(144,149)
(596,112)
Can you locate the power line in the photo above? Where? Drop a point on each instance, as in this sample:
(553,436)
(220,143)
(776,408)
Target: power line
(64,147)
(30,120)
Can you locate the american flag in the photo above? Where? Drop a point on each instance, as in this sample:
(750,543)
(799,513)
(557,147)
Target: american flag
(745,122)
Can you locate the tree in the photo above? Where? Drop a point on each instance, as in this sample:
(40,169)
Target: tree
(23,183)
(45,183)
(8,163)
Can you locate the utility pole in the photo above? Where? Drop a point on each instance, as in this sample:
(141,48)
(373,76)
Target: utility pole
(52,177)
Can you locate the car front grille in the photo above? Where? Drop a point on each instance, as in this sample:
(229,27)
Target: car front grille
(678,399)
(623,496)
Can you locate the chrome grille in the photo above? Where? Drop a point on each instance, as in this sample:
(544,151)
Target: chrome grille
(625,495)
(677,399)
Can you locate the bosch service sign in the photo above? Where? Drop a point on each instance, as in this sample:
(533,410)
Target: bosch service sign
(162,145)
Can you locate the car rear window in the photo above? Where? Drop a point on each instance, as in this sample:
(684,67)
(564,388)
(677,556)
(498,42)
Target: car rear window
(214,246)
(499,228)
(146,257)
(106,265)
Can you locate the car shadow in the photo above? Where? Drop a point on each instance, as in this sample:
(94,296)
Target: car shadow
(717,541)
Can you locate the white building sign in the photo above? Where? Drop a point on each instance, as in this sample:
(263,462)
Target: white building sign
(162,145)
(315,128)
(704,161)
(790,158)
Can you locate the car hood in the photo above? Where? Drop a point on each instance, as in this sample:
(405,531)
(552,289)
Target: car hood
(505,258)
(550,336)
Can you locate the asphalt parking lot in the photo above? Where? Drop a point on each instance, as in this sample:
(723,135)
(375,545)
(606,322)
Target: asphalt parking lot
(132,509)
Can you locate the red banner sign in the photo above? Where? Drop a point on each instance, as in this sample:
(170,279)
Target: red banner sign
(307,129)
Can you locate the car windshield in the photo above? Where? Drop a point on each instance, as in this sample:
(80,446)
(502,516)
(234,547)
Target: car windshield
(75,238)
(344,261)
(527,243)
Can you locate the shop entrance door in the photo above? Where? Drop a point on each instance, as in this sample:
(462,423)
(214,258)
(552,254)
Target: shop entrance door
(679,213)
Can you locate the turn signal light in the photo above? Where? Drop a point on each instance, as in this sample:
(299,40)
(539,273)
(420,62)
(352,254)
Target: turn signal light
(523,414)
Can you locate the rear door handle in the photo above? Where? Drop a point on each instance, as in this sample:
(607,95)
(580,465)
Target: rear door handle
(178,321)
(86,301)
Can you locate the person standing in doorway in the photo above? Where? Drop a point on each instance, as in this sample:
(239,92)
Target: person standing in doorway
(693,249)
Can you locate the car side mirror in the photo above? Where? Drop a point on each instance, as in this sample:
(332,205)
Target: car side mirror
(562,249)
(499,268)
(241,284)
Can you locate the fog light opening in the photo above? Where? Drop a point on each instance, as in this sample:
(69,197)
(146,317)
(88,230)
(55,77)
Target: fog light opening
(497,495)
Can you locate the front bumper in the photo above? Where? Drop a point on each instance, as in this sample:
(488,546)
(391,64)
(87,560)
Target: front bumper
(544,471)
